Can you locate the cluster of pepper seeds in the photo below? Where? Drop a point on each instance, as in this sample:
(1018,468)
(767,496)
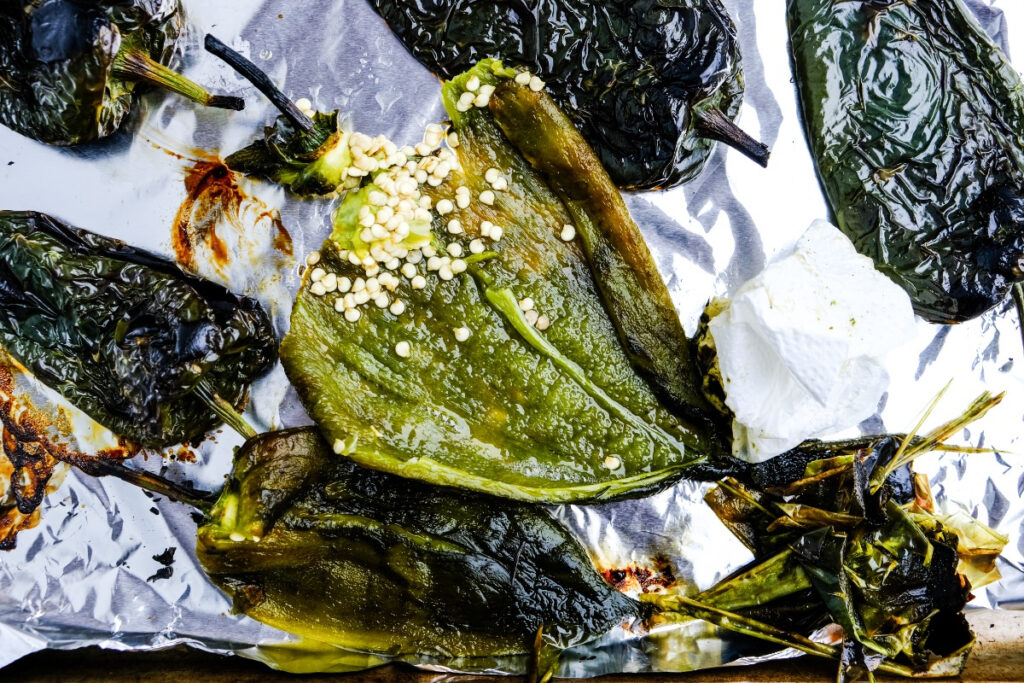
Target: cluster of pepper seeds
(390,213)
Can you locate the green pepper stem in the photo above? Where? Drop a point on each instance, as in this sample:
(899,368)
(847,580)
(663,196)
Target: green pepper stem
(757,629)
(713,124)
(1018,300)
(224,410)
(133,64)
(200,500)
(260,80)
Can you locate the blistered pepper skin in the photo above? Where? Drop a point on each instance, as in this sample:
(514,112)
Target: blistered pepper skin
(124,334)
(313,544)
(916,122)
(631,75)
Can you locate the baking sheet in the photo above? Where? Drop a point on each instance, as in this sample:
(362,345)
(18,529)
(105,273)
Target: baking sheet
(91,573)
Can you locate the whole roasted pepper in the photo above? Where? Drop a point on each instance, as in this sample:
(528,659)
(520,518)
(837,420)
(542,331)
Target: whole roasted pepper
(542,361)
(915,118)
(69,70)
(650,84)
(123,334)
(315,545)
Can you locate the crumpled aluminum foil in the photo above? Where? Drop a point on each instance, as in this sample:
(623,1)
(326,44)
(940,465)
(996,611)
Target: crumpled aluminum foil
(95,570)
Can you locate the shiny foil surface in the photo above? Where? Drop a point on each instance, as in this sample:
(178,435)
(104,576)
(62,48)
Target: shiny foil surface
(113,566)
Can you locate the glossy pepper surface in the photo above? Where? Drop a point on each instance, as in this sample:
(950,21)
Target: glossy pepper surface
(602,402)
(847,534)
(650,84)
(69,70)
(364,561)
(124,334)
(313,544)
(915,119)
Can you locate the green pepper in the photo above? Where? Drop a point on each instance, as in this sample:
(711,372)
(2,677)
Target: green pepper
(315,545)
(367,567)
(123,334)
(651,84)
(545,409)
(69,70)
(840,536)
(914,117)
(846,533)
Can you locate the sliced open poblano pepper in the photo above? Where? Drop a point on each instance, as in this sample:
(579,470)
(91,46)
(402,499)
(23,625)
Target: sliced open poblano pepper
(69,69)
(123,334)
(506,368)
(651,84)
(914,117)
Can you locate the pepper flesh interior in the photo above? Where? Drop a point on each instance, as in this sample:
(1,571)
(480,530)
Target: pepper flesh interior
(551,415)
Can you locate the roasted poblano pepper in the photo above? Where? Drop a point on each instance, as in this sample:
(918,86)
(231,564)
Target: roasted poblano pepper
(915,119)
(315,545)
(651,84)
(69,69)
(847,534)
(550,409)
(123,334)
(360,561)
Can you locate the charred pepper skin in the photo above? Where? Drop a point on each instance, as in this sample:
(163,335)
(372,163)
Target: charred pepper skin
(638,78)
(69,70)
(313,544)
(914,118)
(124,334)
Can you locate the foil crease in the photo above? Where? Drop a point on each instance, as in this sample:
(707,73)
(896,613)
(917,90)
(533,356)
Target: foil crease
(90,572)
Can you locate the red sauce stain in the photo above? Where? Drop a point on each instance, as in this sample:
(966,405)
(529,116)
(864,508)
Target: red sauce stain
(30,457)
(645,579)
(213,197)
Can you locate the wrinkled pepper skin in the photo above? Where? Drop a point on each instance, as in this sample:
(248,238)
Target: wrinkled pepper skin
(830,549)
(554,416)
(631,75)
(69,69)
(315,545)
(124,334)
(916,121)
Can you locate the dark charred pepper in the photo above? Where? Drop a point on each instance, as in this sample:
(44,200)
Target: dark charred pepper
(367,567)
(650,84)
(845,533)
(914,117)
(69,70)
(123,334)
(315,545)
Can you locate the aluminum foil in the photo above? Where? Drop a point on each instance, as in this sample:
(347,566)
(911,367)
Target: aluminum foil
(99,569)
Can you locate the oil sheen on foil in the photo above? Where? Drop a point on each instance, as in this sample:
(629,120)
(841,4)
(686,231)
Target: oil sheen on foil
(113,566)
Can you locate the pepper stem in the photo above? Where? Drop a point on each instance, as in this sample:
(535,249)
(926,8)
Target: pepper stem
(200,500)
(224,410)
(254,75)
(134,64)
(1018,300)
(757,629)
(713,124)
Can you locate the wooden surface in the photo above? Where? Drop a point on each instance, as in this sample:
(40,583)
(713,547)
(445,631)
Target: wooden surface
(999,656)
